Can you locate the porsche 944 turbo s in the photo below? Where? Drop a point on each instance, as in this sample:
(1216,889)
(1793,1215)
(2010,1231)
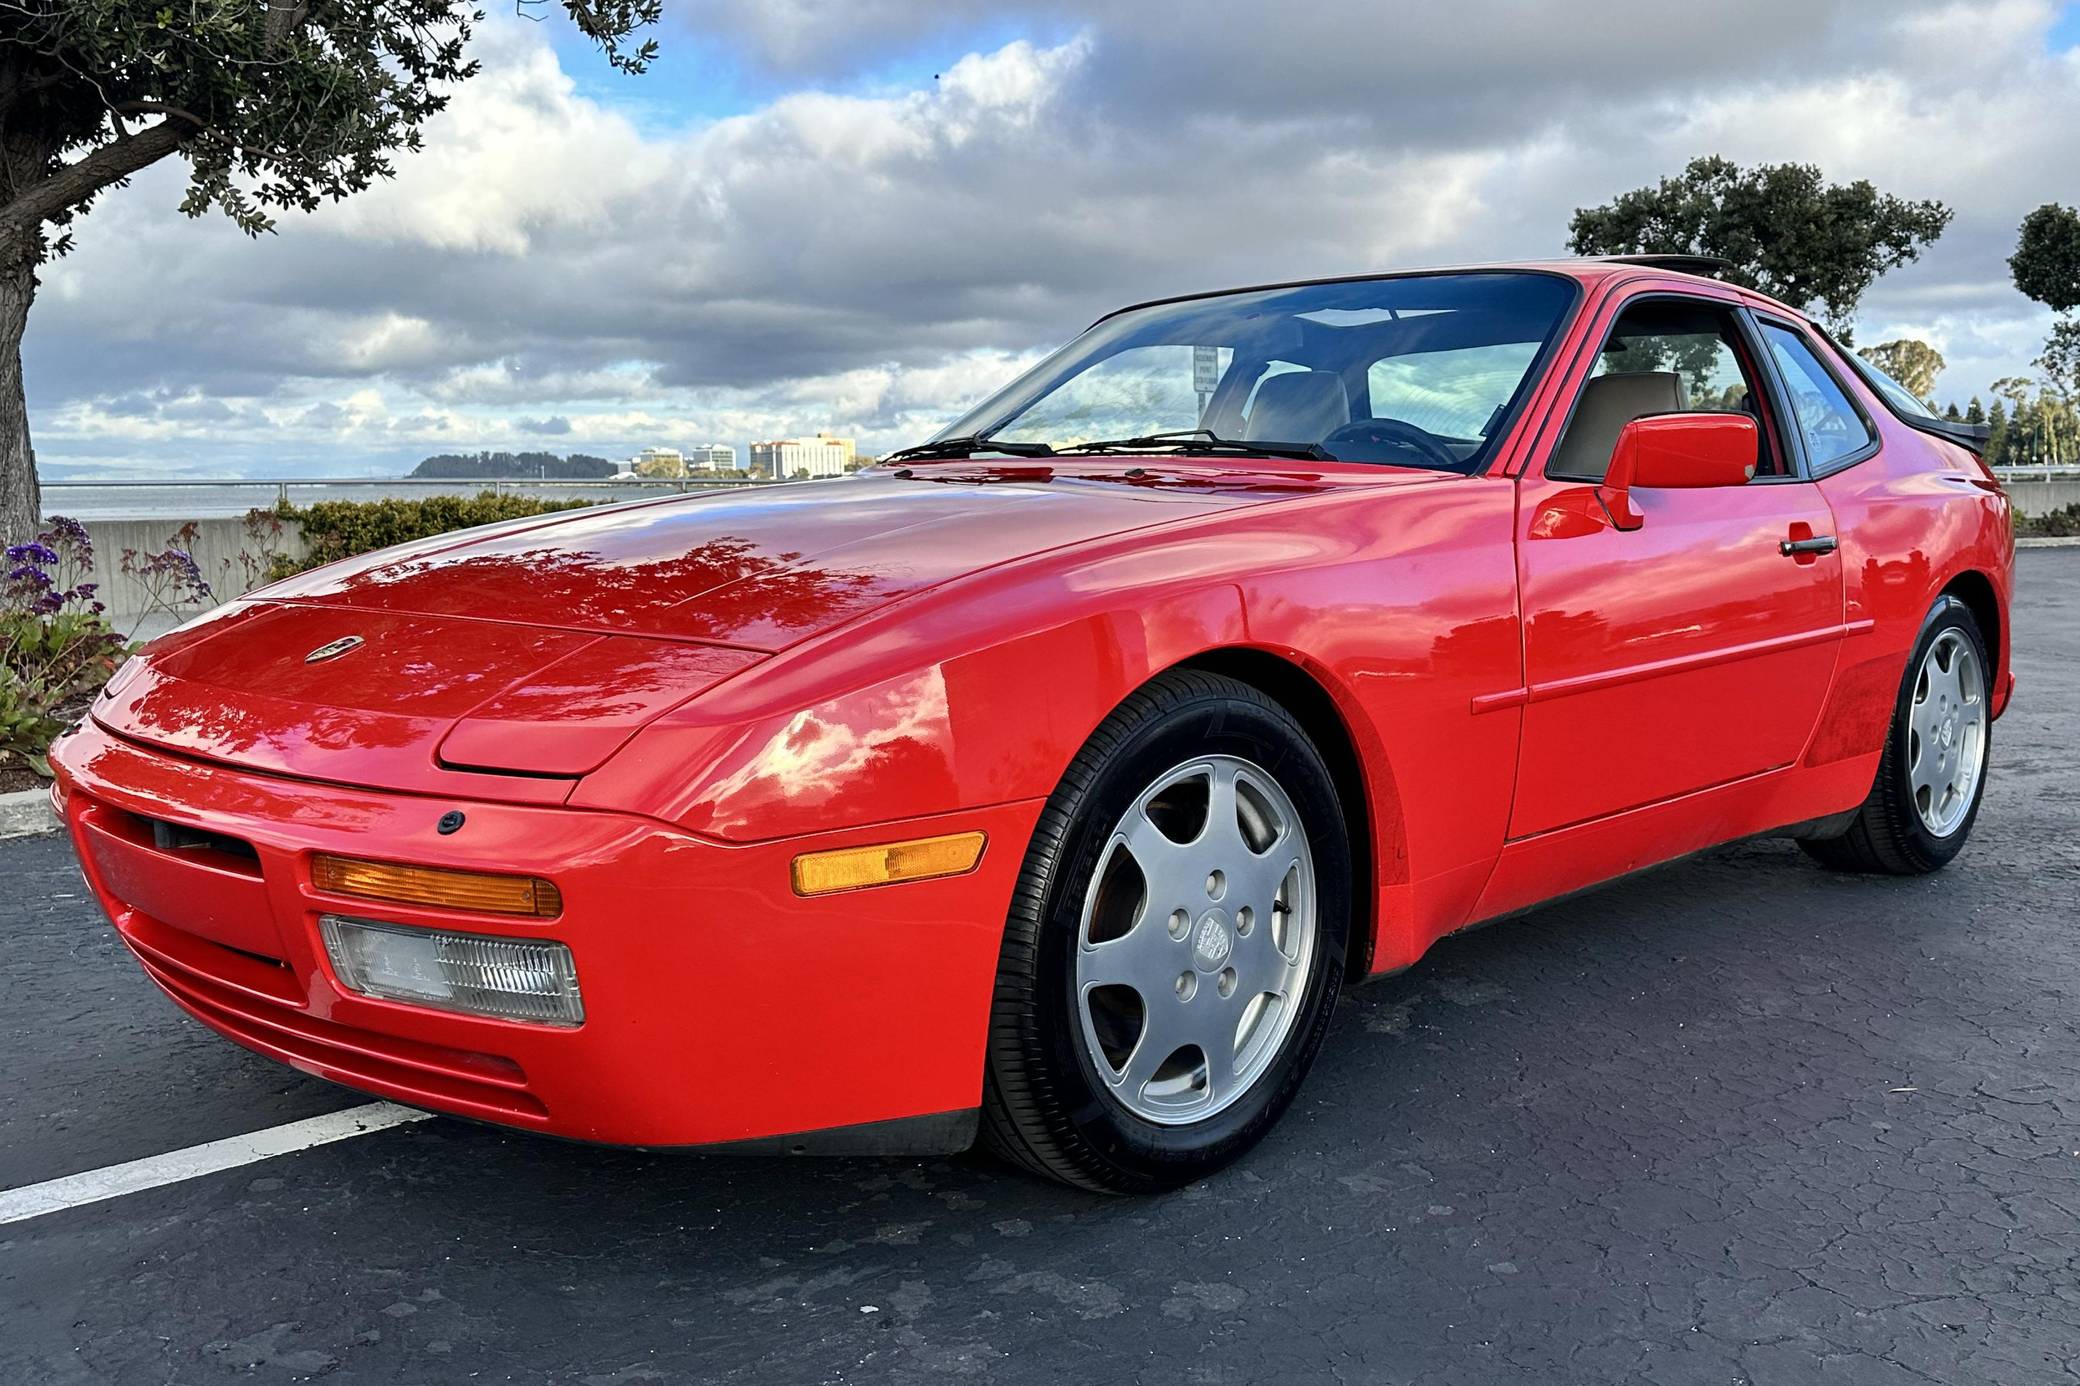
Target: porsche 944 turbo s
(1048,780)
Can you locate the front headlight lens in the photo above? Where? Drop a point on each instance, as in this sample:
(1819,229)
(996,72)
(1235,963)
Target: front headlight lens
(534,980)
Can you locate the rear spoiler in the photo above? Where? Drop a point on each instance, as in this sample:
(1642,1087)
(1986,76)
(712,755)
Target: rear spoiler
(1704,266)
(1972,436)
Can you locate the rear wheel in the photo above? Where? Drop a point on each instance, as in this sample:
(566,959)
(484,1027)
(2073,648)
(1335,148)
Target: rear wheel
(1175,944)
(1933,773)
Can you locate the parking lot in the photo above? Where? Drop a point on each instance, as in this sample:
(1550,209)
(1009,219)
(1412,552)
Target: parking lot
(1737,1120)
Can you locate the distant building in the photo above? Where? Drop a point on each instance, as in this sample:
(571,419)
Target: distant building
(666,462)
(671,462)
(783,459)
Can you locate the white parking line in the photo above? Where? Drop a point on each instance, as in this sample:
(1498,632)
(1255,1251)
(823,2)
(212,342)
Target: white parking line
(95,1185)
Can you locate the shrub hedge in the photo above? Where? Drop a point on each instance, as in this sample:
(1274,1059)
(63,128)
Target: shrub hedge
(2062,523)
(342,529)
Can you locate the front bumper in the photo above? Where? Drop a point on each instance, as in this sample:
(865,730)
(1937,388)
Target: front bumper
(719,1006)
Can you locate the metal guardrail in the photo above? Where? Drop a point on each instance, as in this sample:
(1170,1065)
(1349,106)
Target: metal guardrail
(500,485)
(2060,471)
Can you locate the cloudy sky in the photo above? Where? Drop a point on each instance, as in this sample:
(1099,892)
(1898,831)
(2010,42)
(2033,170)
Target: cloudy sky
(862,215)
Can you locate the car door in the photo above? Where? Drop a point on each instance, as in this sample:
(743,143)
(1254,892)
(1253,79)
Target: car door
(1696,649)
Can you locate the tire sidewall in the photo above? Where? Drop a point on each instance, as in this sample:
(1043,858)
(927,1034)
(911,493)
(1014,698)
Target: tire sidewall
(1912,834)
(1139,1149)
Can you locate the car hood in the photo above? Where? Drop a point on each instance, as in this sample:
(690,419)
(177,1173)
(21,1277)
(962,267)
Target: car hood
(758,569)
(537,648)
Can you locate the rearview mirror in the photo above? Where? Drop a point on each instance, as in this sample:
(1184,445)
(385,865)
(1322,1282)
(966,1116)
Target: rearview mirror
(1678,452)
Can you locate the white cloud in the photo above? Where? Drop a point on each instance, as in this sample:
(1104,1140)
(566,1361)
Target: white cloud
(872,257)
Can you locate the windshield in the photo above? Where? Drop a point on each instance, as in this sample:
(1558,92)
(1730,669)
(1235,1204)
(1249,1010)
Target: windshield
(1421,370)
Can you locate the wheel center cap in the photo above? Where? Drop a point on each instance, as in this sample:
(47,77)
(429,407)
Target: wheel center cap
(1212,942)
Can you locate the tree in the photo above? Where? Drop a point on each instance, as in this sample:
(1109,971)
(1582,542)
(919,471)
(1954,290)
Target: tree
(2046,266)
(2046,262)
(275,104)
(2061,359)
(1997,440)
(1785,231)
(1914,364)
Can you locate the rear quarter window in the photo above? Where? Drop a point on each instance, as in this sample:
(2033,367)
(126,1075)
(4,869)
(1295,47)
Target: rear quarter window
(1832,426)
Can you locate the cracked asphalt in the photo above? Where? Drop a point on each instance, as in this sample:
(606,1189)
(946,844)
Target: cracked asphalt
(1735,1121)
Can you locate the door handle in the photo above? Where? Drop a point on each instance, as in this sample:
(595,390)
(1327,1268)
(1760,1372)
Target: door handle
(1819,543)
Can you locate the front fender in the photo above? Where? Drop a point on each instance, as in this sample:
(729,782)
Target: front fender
(975,696)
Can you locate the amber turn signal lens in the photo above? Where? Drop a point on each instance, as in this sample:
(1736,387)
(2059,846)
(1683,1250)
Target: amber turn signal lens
(431,885)
(854,868)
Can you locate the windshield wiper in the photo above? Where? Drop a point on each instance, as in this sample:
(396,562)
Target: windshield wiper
(1205,440)
(967,446)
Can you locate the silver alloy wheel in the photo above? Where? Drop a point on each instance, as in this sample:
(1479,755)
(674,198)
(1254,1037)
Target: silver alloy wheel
(1946,733)
(1197,940)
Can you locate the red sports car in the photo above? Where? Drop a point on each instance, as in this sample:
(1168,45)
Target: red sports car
(1051,778)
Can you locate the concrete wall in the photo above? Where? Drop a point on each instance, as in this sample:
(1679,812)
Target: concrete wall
(216,547)
(2042,497)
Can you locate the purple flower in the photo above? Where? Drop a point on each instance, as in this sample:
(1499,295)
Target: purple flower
(33,553)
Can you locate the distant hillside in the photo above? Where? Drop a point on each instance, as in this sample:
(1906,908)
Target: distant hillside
(495,466)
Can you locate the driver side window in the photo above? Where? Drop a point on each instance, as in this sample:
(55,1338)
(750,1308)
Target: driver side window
(1663,356)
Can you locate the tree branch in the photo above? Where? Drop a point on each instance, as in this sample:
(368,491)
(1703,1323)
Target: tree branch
(81,179)
(283,17)
(161,108)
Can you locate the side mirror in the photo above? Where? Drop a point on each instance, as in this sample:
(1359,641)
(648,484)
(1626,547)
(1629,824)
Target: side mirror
(1678,452)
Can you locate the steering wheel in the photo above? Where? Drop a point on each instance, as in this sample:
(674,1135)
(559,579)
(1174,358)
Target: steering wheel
(1394,433)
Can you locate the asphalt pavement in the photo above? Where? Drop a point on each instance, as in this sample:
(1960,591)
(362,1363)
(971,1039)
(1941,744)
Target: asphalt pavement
(1735,1121)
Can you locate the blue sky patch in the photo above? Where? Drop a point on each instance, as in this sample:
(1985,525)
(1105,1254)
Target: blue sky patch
(2065,30)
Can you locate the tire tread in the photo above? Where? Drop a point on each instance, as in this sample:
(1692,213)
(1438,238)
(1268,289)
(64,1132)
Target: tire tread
(1022,1115)
(1882,840)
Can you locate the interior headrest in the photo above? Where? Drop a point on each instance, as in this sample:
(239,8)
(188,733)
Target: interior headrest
(1298,407)
(1609,402)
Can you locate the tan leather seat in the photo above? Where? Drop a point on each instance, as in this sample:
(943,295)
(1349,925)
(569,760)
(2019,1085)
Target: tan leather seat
(1609,402)
(1298,407)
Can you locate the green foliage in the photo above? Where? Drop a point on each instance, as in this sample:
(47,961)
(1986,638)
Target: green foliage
(2046,262)
(2063,523)
(342,529)
(2031,431)
(2046,265)
(1785,231)
(2061,359)
(50,667)
(56,646)
(1914,364)
(276,104)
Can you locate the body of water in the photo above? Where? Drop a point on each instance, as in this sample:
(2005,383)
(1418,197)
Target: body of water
(215,500)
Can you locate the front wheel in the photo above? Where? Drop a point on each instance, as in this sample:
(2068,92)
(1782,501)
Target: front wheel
(1175,945)
(1933,773)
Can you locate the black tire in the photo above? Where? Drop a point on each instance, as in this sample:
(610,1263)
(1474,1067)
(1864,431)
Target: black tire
(1887,836)
(1044,1107)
